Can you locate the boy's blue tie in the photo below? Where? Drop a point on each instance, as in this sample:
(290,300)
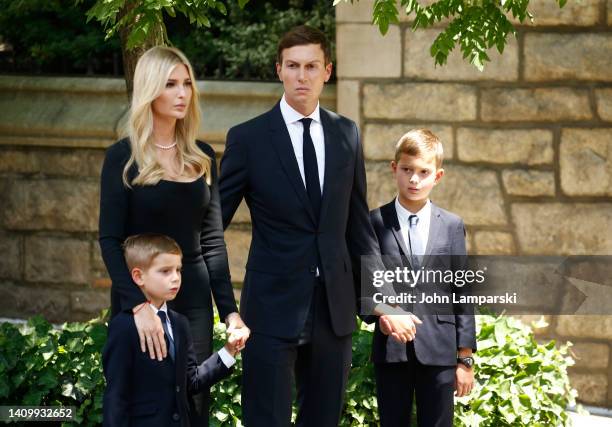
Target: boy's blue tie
(169,340)
(416,250)
(311,169)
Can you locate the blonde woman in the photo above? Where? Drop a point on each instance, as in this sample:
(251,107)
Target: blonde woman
(159,179)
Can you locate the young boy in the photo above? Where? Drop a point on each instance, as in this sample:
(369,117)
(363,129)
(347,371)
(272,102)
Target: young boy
(438,361)
(141,391)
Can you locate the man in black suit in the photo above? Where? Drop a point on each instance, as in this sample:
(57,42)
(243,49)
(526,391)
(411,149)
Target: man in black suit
(416,234)
(140,390)
(300,169)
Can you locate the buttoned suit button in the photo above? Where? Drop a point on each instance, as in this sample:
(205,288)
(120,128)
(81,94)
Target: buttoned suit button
(178,388)
(176,417)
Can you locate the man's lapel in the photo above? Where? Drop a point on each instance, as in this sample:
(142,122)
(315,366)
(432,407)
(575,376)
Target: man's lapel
(332,157)
(282,143)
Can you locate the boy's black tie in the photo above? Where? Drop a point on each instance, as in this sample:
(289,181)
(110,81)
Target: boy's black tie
(311,169)
(169,340)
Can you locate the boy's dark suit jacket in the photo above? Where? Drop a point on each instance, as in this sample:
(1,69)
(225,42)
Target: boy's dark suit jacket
(145,392)
(440,335)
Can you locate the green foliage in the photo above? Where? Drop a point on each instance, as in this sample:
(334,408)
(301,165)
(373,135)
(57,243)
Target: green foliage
(52,35)
(477,25)
(41,365)
(243,44)
(142,17)
(237,44)
(519,382)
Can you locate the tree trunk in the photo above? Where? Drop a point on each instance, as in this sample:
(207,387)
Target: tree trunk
(155,37)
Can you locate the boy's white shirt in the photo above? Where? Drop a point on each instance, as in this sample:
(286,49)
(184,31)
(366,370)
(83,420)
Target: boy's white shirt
(422,227)
(226,358)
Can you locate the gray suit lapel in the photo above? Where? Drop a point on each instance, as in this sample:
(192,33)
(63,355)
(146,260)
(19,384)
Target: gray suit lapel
(435,224)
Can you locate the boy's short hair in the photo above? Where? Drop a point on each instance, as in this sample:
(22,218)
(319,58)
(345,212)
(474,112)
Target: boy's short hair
(422,143)
(141,249)
(303,35)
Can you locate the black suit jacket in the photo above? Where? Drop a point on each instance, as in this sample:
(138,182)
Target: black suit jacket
(288,242)
(145,392)
(440,335)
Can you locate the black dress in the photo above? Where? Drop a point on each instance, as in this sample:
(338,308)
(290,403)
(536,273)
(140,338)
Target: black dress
(190,213)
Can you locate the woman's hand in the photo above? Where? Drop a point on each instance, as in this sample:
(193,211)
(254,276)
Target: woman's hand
(150,332)
(237,329)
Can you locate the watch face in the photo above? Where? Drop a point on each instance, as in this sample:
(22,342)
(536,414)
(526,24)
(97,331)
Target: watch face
(467,361)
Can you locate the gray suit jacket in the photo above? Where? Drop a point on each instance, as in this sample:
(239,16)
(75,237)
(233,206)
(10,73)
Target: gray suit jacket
(446,327)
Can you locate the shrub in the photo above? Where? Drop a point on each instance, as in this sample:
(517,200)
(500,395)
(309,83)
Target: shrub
(519,382)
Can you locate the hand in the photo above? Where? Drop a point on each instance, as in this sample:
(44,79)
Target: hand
(150,332)
(402,327)
(232,346)
(464,380)
(237,329)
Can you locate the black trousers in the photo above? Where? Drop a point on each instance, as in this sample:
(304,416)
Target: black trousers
(318,367)
(397,384)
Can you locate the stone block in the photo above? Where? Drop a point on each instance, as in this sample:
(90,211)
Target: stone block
(349,99)
(585,327)
(472,193)
(379,140)
(535,104)
(529,183)
(20,301)
(420,101)
(603,98)
(563,228)
(90,302)
(582,56)
(548,13)
(238,243)
(53,162)
(10,259)
(591,355)
(356,11)
(56,260)
(585,159)
(363,52)
(592,388)
(494,243)
(419,64)
(53,204)
(530,147)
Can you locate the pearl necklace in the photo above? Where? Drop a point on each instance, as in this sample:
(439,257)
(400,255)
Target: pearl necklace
(165,147)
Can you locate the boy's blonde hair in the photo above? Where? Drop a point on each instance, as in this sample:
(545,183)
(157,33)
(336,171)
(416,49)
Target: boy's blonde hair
(141,249)
(421,143)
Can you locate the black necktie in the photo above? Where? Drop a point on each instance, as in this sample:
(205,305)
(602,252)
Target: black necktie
(169,340)
(311,169)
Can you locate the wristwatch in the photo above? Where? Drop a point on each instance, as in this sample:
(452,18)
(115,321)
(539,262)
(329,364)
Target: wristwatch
(467,361)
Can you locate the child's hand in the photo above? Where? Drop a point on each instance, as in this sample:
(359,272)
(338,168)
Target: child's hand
(233,345)
(239,336)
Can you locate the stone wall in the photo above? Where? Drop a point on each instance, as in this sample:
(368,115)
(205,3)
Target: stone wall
(53,132)
(528,142)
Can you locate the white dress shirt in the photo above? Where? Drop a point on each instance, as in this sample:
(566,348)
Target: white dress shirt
(422,227)
(226,358)
(296,133)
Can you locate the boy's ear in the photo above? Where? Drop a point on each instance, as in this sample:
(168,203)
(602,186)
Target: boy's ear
(439,175)
(137,276)
(393,165)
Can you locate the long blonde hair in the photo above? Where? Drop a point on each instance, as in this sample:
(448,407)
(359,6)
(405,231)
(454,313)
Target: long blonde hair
(152,72)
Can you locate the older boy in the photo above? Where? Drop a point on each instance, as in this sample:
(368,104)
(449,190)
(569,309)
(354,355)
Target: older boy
(141,391)
(439,359)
